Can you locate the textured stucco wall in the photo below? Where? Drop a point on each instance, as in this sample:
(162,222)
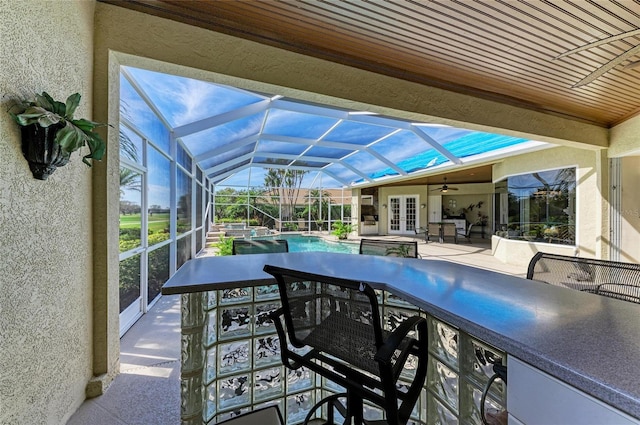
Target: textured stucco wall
(45,227)
(519,253)
(383,198)
(630,210)
(592,217)
(625,138)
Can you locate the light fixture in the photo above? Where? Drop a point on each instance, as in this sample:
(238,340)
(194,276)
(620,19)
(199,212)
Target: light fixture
(384,205)
(423,206)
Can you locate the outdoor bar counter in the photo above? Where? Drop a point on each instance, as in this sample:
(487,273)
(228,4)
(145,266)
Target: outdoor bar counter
(573,357)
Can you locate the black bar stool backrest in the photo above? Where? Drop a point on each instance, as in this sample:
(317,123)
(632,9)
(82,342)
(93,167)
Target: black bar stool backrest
(338,322)
(612,279)
(389,248)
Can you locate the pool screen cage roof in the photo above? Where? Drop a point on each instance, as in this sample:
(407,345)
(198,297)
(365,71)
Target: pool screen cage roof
(235,136)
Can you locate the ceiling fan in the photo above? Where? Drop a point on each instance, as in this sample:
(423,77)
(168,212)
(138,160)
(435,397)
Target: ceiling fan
(445,188)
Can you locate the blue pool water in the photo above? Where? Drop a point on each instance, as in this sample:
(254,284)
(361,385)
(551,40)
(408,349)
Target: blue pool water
(299,243)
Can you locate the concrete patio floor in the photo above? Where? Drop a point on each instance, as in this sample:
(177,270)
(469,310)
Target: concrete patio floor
(147,390)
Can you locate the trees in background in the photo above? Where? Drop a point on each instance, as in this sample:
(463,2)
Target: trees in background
(283,187)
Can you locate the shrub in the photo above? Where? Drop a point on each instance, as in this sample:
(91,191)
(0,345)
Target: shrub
(341,230)
(225,246)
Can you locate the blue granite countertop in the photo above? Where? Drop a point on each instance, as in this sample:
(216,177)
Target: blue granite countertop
(588,341)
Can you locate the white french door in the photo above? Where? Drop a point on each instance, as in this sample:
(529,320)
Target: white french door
(403,214)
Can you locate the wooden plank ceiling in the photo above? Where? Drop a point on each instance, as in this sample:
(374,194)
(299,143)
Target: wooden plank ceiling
(504,50)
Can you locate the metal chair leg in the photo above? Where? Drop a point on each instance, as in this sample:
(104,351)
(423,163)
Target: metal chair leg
(333,402)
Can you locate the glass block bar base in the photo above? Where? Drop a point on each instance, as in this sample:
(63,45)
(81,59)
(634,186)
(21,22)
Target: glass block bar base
(231,363)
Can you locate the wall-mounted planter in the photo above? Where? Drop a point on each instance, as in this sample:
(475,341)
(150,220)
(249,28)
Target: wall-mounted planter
(50,133)
(41,151)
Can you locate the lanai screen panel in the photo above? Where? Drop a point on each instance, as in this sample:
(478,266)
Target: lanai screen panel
(233,134)
(185,100)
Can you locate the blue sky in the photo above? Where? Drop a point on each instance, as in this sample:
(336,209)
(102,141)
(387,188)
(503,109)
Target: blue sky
(239,124)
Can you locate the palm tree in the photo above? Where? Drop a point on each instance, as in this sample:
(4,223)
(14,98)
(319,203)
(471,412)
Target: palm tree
(129,180)
(286,184)
(127,147)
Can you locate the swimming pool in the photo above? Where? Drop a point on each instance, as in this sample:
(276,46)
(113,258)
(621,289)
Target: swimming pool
(299,243)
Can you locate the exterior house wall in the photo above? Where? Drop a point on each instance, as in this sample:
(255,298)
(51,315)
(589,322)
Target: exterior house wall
(466,195)
(630,210)
(383,199)
(625,143)
(625,138)
(45,226)
(591,215)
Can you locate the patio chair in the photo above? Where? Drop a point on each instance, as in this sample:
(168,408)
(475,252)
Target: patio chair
(247,246)
(337,323)
(302,224)
(449,229)
(423,231)
(608,278)
(467,234)
(433,229)
(407,249)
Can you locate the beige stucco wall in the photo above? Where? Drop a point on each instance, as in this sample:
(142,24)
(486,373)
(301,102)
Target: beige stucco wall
(383,199)
(592,215)
(45,226)
(625,143)
(466,194)
(625,138)
(630,210)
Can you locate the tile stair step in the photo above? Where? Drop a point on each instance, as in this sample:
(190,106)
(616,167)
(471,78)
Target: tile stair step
(213,236)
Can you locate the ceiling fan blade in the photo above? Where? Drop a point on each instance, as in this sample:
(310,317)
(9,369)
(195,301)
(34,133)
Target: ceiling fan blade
(444,188)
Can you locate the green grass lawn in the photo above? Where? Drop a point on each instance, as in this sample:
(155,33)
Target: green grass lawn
(157,222)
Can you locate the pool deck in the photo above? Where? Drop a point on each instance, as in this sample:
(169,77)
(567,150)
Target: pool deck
(476,254)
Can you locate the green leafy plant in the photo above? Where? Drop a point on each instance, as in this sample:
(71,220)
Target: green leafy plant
(73,134)
(224,245)
(341,230)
